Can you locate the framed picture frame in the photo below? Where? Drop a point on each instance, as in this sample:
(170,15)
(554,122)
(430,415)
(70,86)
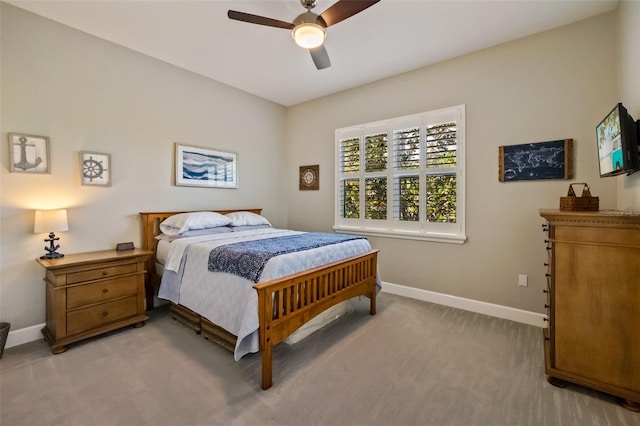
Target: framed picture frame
(29,154)
(533,161)
(205,167)
(95,168)
(309,179)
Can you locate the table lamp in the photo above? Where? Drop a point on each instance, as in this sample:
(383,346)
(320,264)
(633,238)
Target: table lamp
(51,221)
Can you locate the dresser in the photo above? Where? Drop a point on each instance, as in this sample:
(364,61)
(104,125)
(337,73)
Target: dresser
(593,301)
(88,294)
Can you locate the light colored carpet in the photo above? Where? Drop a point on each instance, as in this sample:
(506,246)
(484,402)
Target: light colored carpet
(414,363)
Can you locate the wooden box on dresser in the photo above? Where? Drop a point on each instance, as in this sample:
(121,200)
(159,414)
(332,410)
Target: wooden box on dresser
(593,338)
(92,293)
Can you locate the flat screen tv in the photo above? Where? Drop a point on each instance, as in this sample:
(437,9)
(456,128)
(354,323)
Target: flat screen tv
(617,137)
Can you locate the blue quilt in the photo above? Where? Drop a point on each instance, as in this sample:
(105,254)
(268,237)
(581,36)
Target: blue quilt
(248,259)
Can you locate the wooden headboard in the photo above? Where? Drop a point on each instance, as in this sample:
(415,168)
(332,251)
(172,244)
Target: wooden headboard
(151,223)
(150,229)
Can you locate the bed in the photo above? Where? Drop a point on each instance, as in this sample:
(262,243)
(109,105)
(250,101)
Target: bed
(277,305)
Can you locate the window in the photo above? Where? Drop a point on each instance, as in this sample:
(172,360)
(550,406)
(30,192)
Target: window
(403,177)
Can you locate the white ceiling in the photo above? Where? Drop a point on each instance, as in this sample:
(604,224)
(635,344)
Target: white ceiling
(389,38)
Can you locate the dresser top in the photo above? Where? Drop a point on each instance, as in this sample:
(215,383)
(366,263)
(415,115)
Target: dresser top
(629,217)
(92,257)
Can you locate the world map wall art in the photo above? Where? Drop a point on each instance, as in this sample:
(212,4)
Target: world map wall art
(532,161)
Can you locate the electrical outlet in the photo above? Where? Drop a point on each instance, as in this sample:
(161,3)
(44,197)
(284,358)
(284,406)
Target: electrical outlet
(522,280)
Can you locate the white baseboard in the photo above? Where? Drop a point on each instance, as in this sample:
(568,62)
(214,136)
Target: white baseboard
(499,311)
(24,335)
(33,333)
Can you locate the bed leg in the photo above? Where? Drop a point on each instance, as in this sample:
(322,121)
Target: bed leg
(266,366)
(372,309)
(148,295)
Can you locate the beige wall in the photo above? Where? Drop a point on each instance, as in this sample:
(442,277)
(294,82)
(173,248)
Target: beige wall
(88,94)
(553,85)
(629,89)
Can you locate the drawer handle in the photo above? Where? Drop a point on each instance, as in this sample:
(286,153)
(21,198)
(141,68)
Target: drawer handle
(105,313)
(105,273)
(105,290)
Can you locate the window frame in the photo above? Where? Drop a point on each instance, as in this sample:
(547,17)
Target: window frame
(392,227)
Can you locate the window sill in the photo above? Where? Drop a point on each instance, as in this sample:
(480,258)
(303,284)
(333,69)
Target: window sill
(405,235)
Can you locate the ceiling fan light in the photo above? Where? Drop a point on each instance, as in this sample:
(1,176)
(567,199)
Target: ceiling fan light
(309,35)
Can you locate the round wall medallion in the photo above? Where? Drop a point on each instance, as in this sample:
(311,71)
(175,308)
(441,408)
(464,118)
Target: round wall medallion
(309,177)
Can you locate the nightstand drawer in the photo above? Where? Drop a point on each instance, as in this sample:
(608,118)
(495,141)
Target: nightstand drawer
(101,291)
(96,274)
(97,316)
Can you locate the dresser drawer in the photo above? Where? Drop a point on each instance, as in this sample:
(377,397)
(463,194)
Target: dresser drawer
(100,315)
(106,272)
(101,291)
(595,235)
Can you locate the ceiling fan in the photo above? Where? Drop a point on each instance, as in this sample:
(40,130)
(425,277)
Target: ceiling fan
(309,29)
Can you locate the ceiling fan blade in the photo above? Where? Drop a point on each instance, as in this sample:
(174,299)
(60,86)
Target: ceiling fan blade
(320,57)
(260,20)
(343,9)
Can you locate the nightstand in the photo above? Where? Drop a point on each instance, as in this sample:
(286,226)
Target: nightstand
(92,293)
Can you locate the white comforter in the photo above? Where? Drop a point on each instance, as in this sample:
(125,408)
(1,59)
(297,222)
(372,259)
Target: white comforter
(228,300)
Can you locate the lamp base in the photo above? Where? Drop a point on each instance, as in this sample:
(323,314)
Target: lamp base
(52,256)
(51,250)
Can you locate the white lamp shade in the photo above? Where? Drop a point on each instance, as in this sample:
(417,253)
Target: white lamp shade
(50,221)
(309,35)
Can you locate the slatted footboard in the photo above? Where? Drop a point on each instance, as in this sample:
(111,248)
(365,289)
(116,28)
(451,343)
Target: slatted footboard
(287,303)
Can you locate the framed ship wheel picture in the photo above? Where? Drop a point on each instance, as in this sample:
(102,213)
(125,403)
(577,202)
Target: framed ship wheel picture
(310,178)
(95,168)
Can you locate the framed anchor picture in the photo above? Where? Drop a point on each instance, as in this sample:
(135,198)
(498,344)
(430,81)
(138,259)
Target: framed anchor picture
(95,168)
(29,154)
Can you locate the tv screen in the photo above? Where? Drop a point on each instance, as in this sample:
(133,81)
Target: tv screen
(617,138)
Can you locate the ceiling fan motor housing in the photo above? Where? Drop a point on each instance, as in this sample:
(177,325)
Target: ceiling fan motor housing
(309,18)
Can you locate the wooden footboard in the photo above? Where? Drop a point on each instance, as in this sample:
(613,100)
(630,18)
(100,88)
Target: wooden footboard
(287,303)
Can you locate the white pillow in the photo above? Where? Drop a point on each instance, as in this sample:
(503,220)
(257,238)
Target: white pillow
(247,218)
(179,223)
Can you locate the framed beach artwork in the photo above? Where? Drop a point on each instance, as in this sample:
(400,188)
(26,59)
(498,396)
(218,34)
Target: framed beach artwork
(198,166)
(29,154)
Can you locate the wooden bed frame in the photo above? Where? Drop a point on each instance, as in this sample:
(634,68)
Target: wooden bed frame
(284,304)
